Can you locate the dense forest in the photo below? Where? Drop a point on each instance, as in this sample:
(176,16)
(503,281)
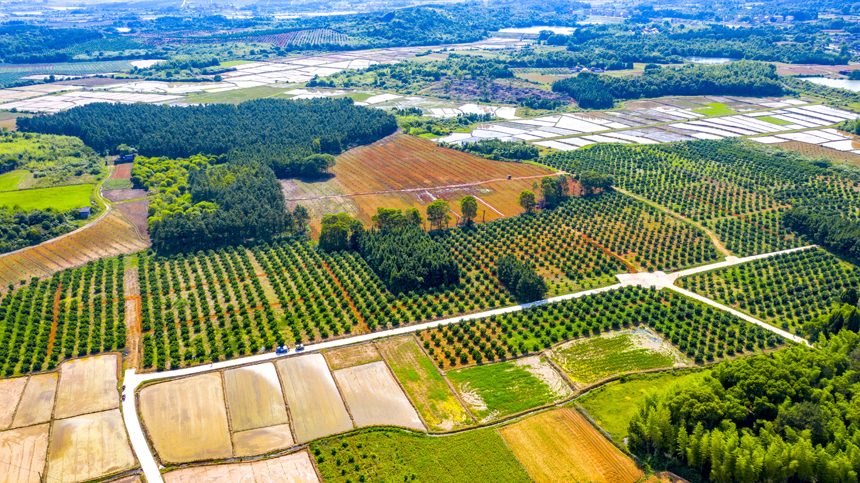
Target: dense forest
(185,68)
(737,78)
(618,46)
(793,415)
(499,150)
(198,203)
(284,135)
(829,229)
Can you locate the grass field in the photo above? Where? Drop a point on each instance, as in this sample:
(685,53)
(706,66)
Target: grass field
(504,388)
(238,95)
(424,385)
(715,109)
(393,455)
(590,360)
(11,180)
(613,405)
(560,445)
(60,198)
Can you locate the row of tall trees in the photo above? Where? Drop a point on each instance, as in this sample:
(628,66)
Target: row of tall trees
(737,78)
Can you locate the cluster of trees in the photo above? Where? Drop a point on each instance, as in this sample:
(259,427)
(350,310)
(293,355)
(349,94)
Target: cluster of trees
(52,160)
(851,126)
(845,314)
(19,229)
(27,44)
(737,78)
(500,150)
(406,258)
(520,279)
(186,68)
(284,135)
(787,416)
(198,203)
(413,121)
(830,229)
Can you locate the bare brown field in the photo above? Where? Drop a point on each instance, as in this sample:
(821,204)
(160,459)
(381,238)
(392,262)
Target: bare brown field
(87,385)
(107,237)
(293,468)
(122,171)
(10,394)
(88,447)
(354,355)
(23,453)
(374,397)
(816,151)
(186,419)
(423,383)
(124,194)
(812,69)
(37,402)
(403,171)
(560,445)
(262,440)
(254,397)
(315,404)
(136,213)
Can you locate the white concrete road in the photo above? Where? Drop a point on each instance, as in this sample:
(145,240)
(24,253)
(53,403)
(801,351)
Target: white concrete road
(132,380)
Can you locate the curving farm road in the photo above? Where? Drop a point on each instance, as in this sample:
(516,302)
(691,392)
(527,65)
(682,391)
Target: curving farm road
(132,380)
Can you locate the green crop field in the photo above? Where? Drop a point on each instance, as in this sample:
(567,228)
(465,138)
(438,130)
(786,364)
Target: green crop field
(773,120)
(396,455)
(501,389)
(715,109)
(60,198)
(238,95)
(612,406)
(596,358)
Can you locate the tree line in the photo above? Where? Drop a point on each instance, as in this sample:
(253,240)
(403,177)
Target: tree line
(737,78)
(285,135)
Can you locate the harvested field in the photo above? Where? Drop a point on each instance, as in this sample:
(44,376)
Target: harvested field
(435,401)
(10,394)
(124,194)
(262,440)
(23,454)
(254,397)
(496,390)
(402,171)
(136,213)
(818,151)
(374,398)
(293,468)
(89,447)
(186,419)
(560,445)
(315,404)
(37,402)
(87,385)
(109,236)
(354,355)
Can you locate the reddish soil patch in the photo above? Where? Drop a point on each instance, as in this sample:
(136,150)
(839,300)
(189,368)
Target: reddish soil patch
(136,212)
(124,194)
(122,171)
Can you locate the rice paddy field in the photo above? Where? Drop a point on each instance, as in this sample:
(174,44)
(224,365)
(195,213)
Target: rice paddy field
(587,361)
(254,397)
(374,398)
(428,390)
(73,432)
(294,467)
(494,391)
(561,445)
